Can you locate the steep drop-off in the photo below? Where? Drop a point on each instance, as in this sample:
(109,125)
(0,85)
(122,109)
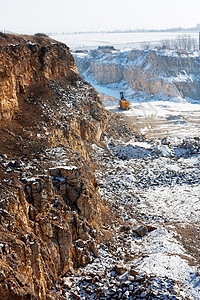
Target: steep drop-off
(50,208)
(174,73)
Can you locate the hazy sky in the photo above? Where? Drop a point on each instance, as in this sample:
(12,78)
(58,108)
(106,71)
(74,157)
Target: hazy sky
(31,16)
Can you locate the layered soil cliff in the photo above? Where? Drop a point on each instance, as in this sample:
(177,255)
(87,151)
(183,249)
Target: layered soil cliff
(174,73)
(50,208)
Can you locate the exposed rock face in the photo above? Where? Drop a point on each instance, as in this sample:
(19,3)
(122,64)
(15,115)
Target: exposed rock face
(39,62)
(174,73)
(50,209)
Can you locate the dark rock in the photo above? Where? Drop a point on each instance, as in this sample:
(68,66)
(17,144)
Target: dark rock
(133,272)
(125,228)
(120,269)
(140,230)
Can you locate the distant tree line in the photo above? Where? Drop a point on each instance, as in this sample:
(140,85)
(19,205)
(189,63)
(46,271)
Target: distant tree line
(182,42)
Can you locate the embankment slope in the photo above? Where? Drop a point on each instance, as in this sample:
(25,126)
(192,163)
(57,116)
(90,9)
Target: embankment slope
(50,208)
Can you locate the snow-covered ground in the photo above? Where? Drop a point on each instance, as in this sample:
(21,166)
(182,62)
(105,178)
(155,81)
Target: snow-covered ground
(154,115)
(164,118)
(119,40)
(155,180)
(154,183)
(150,180)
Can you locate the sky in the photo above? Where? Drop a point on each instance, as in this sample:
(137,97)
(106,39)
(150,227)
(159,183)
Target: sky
(31,16)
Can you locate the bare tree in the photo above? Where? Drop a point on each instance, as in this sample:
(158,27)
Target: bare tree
(182,42)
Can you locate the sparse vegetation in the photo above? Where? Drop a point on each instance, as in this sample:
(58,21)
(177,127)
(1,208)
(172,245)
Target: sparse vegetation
(41,34)
(182,42)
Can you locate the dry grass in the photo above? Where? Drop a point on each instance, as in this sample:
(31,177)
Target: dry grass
(189,236)
(6,39)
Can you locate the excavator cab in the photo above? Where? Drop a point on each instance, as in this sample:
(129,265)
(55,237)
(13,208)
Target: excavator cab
(123,103)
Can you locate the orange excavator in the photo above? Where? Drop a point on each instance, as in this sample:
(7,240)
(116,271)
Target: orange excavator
(123,103)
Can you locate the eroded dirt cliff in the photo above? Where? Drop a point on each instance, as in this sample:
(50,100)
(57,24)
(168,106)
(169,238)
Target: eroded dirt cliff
(50,208)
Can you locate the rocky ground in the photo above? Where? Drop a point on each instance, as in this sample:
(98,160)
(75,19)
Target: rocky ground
(152,188)
(60,151)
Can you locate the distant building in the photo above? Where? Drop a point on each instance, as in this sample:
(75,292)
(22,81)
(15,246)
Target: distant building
(106,49)
(81,51)
(198,26)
